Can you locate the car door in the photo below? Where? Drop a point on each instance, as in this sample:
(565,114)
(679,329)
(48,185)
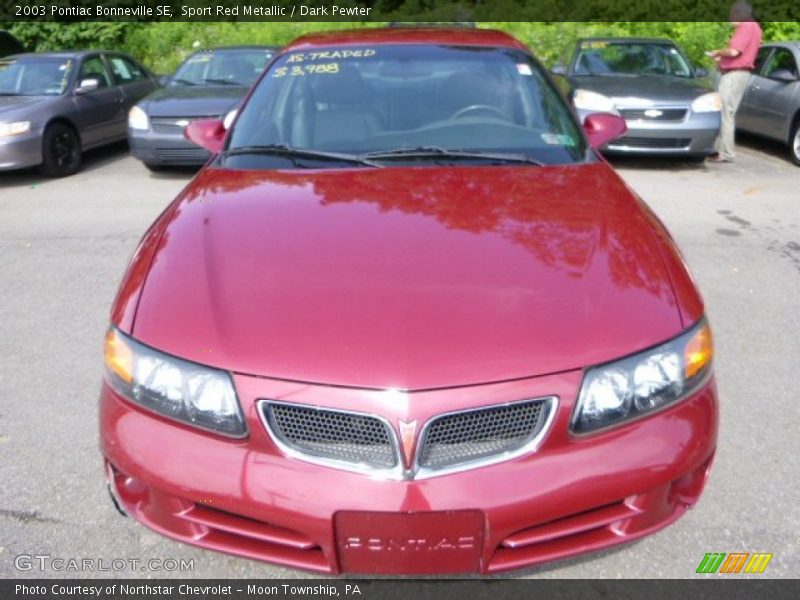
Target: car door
(746,116)
(777,97)
(133,80)
(99,111)
(772,97)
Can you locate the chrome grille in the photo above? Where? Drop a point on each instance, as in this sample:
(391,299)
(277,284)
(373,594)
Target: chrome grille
(667,114)
(169,125)
(655,143)
(368,444)
(179,155)
(483,434)
(332,435)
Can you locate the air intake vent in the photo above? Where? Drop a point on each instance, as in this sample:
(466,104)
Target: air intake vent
(331,435)
(486,434)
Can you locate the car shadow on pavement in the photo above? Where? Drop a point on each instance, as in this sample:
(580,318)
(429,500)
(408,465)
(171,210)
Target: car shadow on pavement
(92,160)
(178,172)
(656,163)
(771,148)
(535,571)
(589,557)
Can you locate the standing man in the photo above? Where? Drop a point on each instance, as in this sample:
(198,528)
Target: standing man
(735,62)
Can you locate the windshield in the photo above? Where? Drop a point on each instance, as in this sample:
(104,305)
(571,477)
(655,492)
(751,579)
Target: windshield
(34,76)
(224,67)
(629,58)
(386,102)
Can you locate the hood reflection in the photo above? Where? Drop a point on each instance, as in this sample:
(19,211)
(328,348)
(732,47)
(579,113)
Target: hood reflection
(563,216)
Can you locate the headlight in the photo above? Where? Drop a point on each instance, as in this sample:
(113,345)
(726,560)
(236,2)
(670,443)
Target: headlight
(708,103)
(586,100)
(15,128)
(137,119)
(178,389)
(646,382)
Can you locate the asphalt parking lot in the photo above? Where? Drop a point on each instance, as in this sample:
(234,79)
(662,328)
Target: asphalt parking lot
(64,245)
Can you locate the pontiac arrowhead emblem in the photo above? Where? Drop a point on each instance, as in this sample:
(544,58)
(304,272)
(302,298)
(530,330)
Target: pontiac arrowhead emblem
(408,432)
(653,113)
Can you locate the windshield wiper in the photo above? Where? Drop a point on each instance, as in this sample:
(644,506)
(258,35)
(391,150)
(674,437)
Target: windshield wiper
(183,81)
(221,81)
(439,152)
(288,151)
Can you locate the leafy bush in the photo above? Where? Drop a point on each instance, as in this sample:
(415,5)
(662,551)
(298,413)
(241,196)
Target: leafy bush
(40,36)
(162,46)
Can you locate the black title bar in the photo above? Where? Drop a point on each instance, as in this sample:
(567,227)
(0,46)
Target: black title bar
(729,588)
(419,11)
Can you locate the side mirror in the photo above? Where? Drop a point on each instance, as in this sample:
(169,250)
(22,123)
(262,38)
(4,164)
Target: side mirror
(87,85)
(206,133)
(601,128)
(559,70)
(700,72)
(163,80)
(784,75)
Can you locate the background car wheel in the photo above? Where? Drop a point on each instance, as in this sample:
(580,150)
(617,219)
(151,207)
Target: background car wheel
(61,151)
(794,143)
(154,167)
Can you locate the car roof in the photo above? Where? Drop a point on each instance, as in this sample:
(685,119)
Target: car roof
(633,40)
(242,47)
(65,54)
(408,35)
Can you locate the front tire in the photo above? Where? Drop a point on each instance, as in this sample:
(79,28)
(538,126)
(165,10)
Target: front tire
(794,143)
(61,151)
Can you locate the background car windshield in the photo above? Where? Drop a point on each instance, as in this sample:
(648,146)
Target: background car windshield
(240,67)
(34,77)
(607,58)
(364,99)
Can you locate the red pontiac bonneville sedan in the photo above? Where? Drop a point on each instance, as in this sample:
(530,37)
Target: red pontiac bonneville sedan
(407,320)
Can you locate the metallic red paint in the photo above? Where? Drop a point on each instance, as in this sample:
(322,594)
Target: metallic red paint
(207,133)
(417,542)
(572,495)
(468,287)
(406,35)
(601,128)
(409,278)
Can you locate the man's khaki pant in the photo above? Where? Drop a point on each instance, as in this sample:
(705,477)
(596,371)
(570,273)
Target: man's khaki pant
(732,86)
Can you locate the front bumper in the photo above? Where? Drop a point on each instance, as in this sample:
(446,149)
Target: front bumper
(570,496)
(20,152)
(165,149)
(695,135)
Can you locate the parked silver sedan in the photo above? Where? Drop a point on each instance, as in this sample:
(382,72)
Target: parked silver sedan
(669,105)
(771,105)
(53,106)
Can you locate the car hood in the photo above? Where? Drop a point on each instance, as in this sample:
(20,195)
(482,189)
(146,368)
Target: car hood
(10,105)
(409,278)
(651,87)
(193,101)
